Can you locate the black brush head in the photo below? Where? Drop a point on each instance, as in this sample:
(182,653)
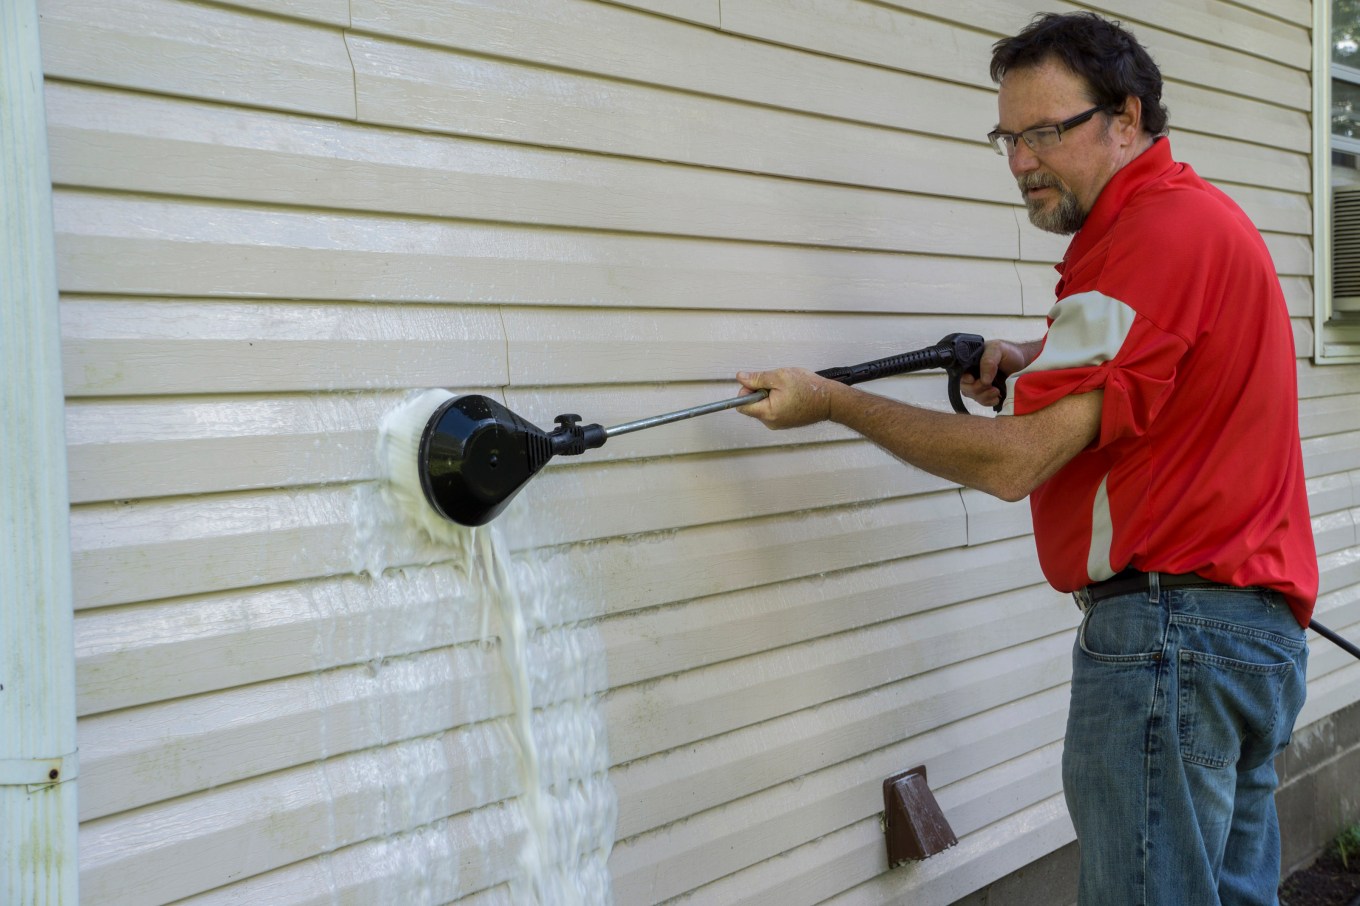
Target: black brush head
(475,455)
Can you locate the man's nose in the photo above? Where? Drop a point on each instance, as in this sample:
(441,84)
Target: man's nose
(1023,159)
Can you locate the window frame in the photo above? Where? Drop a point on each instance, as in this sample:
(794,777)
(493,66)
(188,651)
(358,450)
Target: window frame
(1335,340)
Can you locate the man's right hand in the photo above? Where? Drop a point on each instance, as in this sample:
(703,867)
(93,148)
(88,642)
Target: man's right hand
(1005,355)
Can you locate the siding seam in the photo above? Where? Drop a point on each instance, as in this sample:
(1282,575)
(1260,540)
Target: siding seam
(967,518)
(353,70)
(505,338)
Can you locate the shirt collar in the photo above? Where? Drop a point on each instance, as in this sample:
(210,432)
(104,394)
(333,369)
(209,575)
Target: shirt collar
(1133,176)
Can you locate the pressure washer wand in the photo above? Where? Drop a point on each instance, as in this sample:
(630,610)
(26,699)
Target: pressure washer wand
(474,454)
(957,353)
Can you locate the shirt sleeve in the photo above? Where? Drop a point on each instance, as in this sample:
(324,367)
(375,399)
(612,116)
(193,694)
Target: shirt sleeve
(1096,342)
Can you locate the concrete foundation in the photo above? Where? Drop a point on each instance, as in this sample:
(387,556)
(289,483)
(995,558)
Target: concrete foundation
(1319,792)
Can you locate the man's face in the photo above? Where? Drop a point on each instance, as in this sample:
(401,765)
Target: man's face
(1059,184)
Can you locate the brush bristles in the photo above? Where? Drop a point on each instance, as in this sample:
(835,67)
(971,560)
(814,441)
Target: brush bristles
(399,452)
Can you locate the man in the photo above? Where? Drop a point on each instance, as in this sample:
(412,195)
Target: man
(1155,430)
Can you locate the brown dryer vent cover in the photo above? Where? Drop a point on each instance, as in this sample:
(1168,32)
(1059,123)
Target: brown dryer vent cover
(912,821)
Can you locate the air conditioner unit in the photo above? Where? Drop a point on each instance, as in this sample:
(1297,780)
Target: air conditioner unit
(1346,250)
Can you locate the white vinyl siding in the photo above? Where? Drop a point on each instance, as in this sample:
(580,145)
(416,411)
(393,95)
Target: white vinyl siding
(276,217)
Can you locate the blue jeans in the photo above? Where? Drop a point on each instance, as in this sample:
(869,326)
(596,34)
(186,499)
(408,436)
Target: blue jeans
(1181,699)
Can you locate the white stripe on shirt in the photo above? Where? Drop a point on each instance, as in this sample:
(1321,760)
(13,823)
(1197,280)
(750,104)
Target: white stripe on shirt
(1087,329)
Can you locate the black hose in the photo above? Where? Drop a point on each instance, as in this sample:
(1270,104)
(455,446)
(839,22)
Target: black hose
(1335,639)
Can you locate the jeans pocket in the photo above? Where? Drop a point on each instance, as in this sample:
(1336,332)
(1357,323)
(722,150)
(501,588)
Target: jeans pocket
(1229,706)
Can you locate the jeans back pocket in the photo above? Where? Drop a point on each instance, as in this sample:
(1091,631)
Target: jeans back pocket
(1229,708)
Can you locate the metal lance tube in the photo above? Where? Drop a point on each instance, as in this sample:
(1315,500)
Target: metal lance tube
(682,414)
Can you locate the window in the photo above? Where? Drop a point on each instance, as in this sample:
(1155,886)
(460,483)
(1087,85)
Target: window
(1336,188)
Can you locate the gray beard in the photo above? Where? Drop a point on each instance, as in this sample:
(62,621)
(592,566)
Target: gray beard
(1064,218)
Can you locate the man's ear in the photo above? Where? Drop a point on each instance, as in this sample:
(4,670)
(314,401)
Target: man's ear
(1129,121)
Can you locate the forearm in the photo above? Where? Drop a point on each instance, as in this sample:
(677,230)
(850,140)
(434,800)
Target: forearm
(962,449)
(1006,457)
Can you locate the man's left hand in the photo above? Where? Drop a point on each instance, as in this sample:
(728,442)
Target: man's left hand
(797,397)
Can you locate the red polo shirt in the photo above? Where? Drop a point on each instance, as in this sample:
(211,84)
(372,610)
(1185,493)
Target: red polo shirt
(1169,303)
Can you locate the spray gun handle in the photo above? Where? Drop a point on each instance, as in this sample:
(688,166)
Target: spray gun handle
(965,357)
(958,354)
(937,356)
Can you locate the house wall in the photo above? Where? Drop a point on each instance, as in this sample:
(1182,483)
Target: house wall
(276,218)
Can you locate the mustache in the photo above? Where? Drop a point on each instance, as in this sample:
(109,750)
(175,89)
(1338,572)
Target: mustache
(1029,181)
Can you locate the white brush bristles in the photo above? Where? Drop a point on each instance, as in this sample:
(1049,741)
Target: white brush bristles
(399,452)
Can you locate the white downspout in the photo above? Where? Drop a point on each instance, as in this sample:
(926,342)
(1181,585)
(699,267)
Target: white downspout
(38,820)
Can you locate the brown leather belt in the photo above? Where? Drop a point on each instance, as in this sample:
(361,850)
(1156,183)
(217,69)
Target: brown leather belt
(1132,580)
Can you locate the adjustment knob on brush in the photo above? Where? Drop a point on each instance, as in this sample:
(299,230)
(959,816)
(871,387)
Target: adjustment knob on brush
(572,438)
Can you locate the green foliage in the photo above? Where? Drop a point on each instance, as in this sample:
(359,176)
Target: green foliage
(1345,113)
(1346,32)
(1348,846)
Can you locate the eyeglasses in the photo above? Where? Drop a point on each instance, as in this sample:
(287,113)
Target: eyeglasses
(1040,138)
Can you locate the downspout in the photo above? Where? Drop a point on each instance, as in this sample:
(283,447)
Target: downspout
(38,819)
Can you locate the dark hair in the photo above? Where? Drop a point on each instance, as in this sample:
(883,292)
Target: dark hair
(1105,55)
